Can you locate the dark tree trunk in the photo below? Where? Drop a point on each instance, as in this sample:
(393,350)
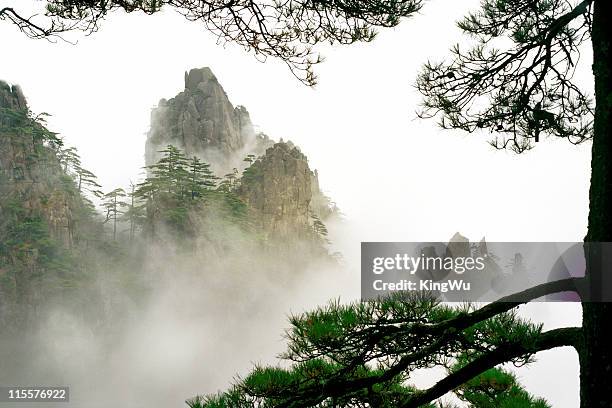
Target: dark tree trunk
(596,358)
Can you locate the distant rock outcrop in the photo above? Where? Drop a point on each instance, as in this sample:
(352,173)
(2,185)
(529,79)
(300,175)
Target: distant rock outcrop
(202,121)
(277,189)
(458,246)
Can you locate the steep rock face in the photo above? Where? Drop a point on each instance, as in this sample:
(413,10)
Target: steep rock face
(28,170)
(44,220)
(11,97)
(277,189)
(280,190)
(202,121)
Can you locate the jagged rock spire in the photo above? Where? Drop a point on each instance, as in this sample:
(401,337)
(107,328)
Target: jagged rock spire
(202,121)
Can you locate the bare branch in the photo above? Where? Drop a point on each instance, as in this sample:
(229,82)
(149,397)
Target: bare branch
(517,80)
(284,29)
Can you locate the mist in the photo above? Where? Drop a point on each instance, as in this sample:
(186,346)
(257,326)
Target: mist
(210,316)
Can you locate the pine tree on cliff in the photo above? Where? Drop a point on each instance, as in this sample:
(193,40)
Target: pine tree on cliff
(86,181)
(229,181)
(319,228)
(21,126)
(69,158)
(519,88)
(201,178)
(36,261)
(176,185)
(170,173)
(250,159)
(134,214)
(113,204)
(177,177)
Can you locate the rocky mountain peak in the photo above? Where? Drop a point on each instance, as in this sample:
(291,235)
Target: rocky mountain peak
(197,76)
(202,121)
(11,97)
(277,188)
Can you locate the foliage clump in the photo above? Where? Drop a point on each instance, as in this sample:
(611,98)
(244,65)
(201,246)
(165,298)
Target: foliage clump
(178,187)
(364,354)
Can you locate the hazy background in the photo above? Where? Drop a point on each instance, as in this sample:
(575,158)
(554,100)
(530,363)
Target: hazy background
(395,177)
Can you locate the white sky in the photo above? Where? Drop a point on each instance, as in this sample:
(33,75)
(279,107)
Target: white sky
(395,177)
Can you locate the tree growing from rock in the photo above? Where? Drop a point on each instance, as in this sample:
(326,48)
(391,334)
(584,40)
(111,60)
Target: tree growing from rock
(319,228)
(177,187)
(516,82)
(113,204)
(85,180)
(201,178)
(134,214)
(36,262)
(230,180)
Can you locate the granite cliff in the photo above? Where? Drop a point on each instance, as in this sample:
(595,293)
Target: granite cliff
(277,189)
(202,121)
(42,214)
(29,169)
(56,248)
(281,191)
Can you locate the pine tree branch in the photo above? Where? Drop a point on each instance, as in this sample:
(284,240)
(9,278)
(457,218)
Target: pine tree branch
(571,336)
(447,331)
(509,302)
